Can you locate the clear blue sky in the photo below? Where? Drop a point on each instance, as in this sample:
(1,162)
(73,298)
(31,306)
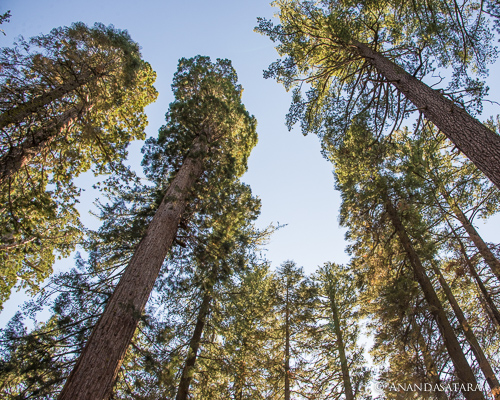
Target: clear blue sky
(286,169)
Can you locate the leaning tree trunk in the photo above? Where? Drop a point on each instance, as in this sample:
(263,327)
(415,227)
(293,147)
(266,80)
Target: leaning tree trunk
(20,155)
(194,345)
(462,367)
(93,376)
(478,241)
(17,114)
(476,348)
(476,141)
(490,304)
(344,365)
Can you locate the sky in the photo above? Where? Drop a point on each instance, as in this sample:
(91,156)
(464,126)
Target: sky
(286,169)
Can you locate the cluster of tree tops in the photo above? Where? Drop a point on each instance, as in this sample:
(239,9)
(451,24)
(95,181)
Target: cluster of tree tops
(174,299)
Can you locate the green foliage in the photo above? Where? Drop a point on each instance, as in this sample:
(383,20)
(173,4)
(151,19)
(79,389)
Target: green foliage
(332,83)
(38,219)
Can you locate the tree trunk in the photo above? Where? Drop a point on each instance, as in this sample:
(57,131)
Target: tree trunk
(492,308)
(462,368)
(287,346)
(471,338)
(471,137)
(95,371)
(478,241)
(194,345)
(31,146)
(431,371)
(17,114)
(340,341)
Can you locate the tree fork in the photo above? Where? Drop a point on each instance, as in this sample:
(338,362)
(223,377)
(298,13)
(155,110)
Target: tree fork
(462,367)
(471,137)
(95,372)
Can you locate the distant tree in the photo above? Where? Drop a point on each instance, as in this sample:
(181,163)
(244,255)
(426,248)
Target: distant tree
(337,363)
(376,191)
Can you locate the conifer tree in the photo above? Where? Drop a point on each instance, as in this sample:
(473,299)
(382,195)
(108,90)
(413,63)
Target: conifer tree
(210,135)
(70,101)
(372,56)
(376,196)
(337,354)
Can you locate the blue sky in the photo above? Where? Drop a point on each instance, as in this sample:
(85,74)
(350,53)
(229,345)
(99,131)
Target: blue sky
(286,169)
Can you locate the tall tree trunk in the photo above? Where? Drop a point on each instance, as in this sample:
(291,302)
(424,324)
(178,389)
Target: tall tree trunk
(95,371)
(476,141)
(492,309)
(18,114)
(344,365)
(478,241)
(194,345)
(462,368)
(287,346)
(31,146)
(471,338)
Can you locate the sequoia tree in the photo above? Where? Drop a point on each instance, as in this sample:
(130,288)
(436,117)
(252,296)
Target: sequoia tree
(208,134)
(70,101)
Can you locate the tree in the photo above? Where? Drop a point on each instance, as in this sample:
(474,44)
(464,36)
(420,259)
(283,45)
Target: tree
(69,101)
(372,56)
(337,355)
(93,78)
(293,301)
(210,133)
(379,197)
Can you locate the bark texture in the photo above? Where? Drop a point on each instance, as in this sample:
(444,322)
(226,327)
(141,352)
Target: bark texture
(287,346)
(344,365)
(471,137)
(31,146)
(95,371)
(194,345)
(17,114)
(471,337)
(462,367)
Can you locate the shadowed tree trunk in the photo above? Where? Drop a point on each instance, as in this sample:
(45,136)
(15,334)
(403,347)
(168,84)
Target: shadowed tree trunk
(471,338)
(431,371)
(95,372)
(194,345)
(471,137)
(492,308)
(462,367)
(478,241)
